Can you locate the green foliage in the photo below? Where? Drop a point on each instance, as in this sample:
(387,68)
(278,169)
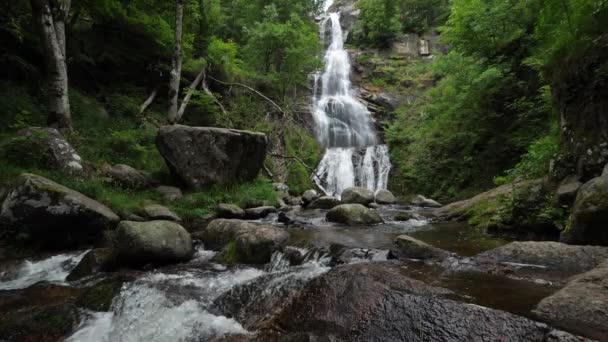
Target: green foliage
(378,23)
(229,255)
(422,15)
(300,143)
(18,109)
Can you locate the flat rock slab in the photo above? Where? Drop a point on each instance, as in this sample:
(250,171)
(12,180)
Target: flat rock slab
(202,156)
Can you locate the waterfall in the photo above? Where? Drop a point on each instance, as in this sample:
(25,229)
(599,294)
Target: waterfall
(344,125)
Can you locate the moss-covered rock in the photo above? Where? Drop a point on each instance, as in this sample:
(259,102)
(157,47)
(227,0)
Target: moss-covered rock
(357,195)
(587,224)
(403,217)
(100,296)
(47,323)
(353,214)
(97,260)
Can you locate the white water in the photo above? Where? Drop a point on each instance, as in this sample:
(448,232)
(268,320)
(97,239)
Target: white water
(53,270)
(344,125)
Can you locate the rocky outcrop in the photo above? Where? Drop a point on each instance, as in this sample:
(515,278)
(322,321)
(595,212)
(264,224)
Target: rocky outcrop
(229,211)
(406,247)
(589,216)
(385,197)
(357,195)
(159,212)
(53,149)
(52,214)
(353,214)
(157,242)
(201,156)
(424,202)
(127,177)
(324,202)
(581,306)
(375,302)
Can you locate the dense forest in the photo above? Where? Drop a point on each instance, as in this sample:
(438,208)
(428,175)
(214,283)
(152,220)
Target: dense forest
(245,170)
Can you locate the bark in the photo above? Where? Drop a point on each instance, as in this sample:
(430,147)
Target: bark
(148,102)
(50,17)
(254,91)
(176,70)
(189,94)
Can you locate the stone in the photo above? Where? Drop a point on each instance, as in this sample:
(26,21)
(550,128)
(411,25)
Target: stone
(53,214)
(581,306)
(259,212)
(229,211)
(294,201)
(157,242)
(324,202)
(566,193)
(203,156)
(39,323)
(587,224)
(54,149)
(403,217)
(424,202)
(353,214)
(159,212)
(357,195)
(408,247)
(128,177)
(605,171)
(169,193)
(253,243)
(96,260)
(385,197)
(310,196)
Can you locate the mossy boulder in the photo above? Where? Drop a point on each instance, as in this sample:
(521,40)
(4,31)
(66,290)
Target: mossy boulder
(99,297)
(589,218)
(357,195)
(53,215)
(353,214)
(385,197)
(229,211)
(324,202)
(157,242)
(127,177)
(96,260)
(403,217)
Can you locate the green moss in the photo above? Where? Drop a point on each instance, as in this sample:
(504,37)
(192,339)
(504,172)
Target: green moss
(100,296)
(403,217)
(229,255)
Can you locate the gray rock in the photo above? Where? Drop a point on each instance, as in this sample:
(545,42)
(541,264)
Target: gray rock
(566,192)
(140,243)
(294,201)
(52,213)
(253,243)
(385,197)
(587,223)
(259,212)
(424,202)
(96,260)
(357,195)
(159,212)
(353,214)
(409,248)
(202,156)
(54,149)
(403,217)
(324,202)
(310,196)
(128,177)
(605,171)
(136,218)
(229,211)
(581,306)
(170,193)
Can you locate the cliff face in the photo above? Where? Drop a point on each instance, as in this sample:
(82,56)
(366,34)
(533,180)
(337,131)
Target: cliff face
(580,95)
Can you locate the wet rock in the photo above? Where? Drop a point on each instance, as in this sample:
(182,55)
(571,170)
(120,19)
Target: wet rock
(350,255)
(52,214)
(140,243)
(53,149)
(202,156)
(245,242)
(353,214)
(96,260)
(169,193)
(566,192)
(310,196)
(587,223)
(385,197)
(357,195)
(375,302)
(424,202)
(39,323)
(581,306)
(99,297)
(409,248)
(229,211)
(128,177)
(294,201)
(403,217)
(259,212)
(159,212)
(324,202)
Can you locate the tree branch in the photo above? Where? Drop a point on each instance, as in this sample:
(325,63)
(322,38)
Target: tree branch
(253,90)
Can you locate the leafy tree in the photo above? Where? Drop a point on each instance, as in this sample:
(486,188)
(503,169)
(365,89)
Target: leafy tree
(378,23)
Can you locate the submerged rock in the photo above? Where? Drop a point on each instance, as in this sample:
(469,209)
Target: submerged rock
(581,306)
(52,214)
(357,195)
(229,211)
(385,197)
(159,212)
(202,156)
(410,248)
(403,217)
(353,214)
(139,243)
(587,223)
(424,202)
(324,202)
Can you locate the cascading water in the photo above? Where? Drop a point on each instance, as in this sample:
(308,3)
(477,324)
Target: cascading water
(344,125)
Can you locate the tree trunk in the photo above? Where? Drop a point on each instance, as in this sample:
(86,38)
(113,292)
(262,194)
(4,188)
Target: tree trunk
(50,18)
(189,93)
(176,70)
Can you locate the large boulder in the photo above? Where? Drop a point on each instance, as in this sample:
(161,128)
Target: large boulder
(424,202)
(375,302)
(53,214)
(385,197)
(353,214)
(246,242)
(202,156)
(229,211)
(51,148)
(410,248)
(357,195)
(587,223)
(581,306)
(324,202)
(158,242)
